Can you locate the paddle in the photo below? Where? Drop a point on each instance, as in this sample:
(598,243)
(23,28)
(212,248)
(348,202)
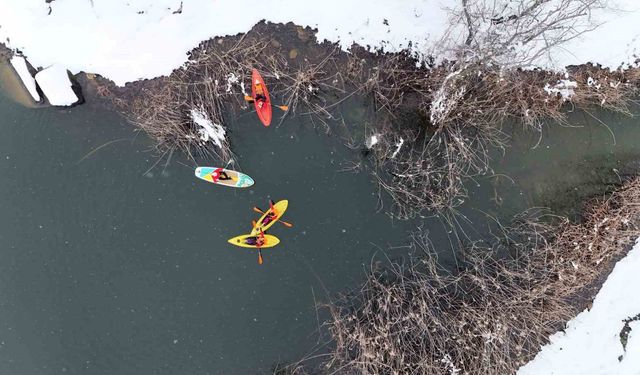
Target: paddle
(259,250)
(286,224)
(282,107)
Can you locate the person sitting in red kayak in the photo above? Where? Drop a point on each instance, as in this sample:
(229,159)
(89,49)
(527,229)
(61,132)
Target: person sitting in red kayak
(260,98)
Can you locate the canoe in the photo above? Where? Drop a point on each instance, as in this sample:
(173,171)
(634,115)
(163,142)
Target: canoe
(267,220)
(217,176)
(269,241)
(263,108)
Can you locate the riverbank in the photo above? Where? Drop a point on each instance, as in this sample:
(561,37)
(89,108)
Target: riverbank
(151,37)
(494,313)
(457,95)
(434,125)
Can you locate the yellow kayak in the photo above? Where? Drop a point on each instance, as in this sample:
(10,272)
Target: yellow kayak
(270,216)
(248,241)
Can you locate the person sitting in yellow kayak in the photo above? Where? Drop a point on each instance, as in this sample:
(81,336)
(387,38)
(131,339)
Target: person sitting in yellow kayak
(269,218)
(257,241)
(271,215)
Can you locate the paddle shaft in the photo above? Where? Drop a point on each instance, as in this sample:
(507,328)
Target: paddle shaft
(281,107)
(285,223)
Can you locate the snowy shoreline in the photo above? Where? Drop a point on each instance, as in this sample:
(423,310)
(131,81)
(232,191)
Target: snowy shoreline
(125,42)
(592,341)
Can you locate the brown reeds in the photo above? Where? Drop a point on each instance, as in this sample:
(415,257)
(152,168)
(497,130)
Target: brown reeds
(495,313)
(435,124)
(211,82)
(463,109)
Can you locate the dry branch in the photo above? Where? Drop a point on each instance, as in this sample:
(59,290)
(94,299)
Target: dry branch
(495,313)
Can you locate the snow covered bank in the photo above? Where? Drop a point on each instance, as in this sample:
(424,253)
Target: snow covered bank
(126,41)
(20,65)
(56,86)
(591,343)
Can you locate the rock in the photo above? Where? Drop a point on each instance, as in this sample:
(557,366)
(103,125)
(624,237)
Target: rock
(303,35)
(57,86)
(293,53)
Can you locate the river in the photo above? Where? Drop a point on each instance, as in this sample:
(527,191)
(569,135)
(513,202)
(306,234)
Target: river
(110,266)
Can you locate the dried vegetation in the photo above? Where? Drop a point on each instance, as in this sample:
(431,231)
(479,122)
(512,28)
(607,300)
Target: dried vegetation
(492,315)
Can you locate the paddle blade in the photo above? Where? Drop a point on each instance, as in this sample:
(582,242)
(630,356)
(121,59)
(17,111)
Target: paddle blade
(256,209)
(283,107)
(286,224)
(248,98)
(260,261)
(253,223)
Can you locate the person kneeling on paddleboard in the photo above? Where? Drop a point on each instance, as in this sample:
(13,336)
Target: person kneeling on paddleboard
(219,174)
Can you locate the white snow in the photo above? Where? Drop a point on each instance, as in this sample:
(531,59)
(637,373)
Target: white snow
(371,141)
(208,130)
(444,100)
(127,40)
(590,345)
(20,65)
(615,43)
(112,37)
(56,86)
(398,147)
(564,87)
(232,79)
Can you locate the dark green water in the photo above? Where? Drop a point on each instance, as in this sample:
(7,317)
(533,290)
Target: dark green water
(568,163)
(106,269)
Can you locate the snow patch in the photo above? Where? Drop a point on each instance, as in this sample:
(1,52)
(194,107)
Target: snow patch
(232,79)
(208,130)
(56,86)
(398,147)
(590,344)
(20,65)
(371,141)
(593,83)
(564,87)
(445,99)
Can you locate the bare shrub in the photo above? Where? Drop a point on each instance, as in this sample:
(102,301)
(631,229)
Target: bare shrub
(465,102)
(304,83)
(514,34)
(210,83)
(493,315)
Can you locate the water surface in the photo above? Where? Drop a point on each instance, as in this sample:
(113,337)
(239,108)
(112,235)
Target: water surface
(109,266)
(106,268)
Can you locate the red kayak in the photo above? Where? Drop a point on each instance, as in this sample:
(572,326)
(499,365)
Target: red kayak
(262,103)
